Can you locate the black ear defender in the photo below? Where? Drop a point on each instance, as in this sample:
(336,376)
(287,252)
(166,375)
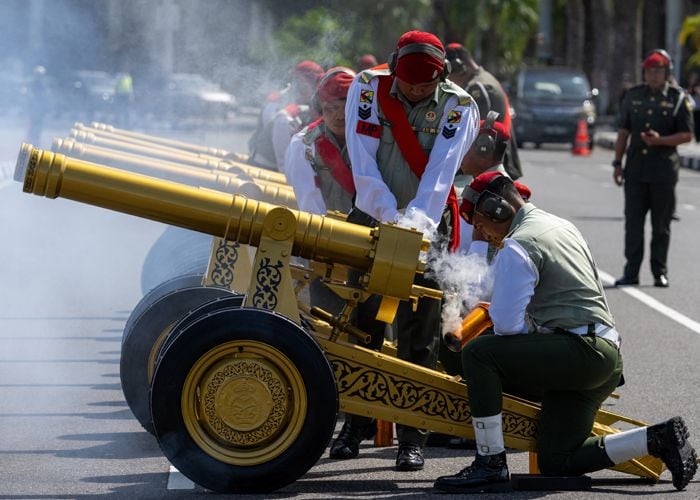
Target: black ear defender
(485,142)
(488,203)
(422,48)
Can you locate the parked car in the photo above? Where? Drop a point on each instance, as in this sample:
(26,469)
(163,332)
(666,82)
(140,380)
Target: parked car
(549,102)
(188,96)
(87,95)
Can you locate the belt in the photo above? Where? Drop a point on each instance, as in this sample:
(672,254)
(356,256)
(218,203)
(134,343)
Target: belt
(598,329)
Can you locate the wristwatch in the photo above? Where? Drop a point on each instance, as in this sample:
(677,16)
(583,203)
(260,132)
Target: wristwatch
(616,163)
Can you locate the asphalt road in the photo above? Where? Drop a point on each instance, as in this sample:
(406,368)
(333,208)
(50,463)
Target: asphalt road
(69,277)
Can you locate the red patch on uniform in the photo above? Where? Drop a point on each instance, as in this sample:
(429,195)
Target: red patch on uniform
(370,129)
(317,181)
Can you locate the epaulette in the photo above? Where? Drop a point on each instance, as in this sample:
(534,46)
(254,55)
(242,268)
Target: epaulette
(310,134)
(367,75)
(463,98)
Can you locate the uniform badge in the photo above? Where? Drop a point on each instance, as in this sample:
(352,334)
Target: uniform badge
(367,96)
(430,116)
(454,117)
(448,132)
(364,113)
(369,129)
(308,155)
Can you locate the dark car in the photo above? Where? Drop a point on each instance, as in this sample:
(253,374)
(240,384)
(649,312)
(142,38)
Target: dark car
(549,102)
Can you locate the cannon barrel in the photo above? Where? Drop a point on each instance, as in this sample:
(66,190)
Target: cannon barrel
(101,138)
(390,253)
(194,148)
(256,188)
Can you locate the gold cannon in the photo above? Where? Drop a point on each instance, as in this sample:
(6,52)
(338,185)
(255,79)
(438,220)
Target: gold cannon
(148,145)
(244,397)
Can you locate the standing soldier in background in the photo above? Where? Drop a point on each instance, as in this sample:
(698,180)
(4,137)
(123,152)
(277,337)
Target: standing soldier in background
(407,130)
(123,99)
(656,117)
(318,168)
(285,113)
(489,96)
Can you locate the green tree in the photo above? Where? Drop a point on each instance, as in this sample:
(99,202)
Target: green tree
(690,34)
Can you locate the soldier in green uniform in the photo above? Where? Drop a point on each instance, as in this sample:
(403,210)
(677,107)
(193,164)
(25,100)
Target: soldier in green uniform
(489,95)
(554,334)
(655,118)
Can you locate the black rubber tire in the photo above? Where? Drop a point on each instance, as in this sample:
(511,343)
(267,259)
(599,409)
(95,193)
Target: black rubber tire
(212,306)
(262,326)
(175,253)
(143,335)
(156,293)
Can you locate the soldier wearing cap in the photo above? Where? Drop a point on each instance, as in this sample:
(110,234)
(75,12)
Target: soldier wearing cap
(318,167)
(285,113)
(489,95)
(407,130)
(655,117)
(554,335)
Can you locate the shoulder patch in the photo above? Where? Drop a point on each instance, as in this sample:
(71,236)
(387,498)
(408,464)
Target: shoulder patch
(367,75)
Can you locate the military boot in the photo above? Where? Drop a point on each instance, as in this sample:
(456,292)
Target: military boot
(669,442)
(347,444)
(487,473)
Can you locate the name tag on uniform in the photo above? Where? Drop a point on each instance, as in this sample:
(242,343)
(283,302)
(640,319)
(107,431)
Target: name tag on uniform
(370,129)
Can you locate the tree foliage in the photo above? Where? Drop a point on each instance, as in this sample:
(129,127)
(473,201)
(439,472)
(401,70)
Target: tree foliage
(690,33)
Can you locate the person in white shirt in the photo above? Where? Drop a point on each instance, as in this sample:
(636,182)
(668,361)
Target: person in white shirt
(555,334)
(407,130)
(285,113)
(318,168)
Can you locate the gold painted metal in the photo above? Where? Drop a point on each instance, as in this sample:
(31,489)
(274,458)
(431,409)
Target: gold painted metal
(369,383)
(107,140)
(244,403)
(258,189)
(229,265)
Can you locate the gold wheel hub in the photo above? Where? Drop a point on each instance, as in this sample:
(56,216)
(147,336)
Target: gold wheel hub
(244,402)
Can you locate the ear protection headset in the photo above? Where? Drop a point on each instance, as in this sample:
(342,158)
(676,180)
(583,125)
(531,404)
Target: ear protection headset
(315,101)
(420,48)
(493,206)
(486,141)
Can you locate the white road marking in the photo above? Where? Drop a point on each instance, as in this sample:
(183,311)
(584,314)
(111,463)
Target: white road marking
(688,206)
(645,299)
(178,481)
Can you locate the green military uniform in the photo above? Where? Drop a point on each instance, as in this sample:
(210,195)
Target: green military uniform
(573,372)
(651,172)
(488,94)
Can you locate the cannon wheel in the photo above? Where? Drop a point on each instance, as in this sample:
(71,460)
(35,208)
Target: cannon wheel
(243,401)
(140,345)
(154,294)
(176,252)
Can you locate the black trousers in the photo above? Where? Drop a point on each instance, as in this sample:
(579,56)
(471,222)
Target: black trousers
(660,200)
(418,333)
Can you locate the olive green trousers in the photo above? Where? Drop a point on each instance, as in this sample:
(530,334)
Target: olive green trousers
(573,375)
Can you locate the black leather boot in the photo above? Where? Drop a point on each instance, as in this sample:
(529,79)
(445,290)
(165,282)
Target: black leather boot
(409,457)
(347,444)
(487,473)
(669,442)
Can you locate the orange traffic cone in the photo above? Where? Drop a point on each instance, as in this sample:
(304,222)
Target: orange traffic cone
(581,139)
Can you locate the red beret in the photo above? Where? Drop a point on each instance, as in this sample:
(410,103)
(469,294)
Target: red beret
(656,60)
(335,84)
(470,195)
(308,71)
(420,57)
(498,127)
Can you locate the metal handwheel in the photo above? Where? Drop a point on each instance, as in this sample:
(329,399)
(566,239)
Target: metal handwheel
(243,401)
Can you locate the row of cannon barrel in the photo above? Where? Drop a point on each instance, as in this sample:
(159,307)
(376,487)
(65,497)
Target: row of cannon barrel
(238,378)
